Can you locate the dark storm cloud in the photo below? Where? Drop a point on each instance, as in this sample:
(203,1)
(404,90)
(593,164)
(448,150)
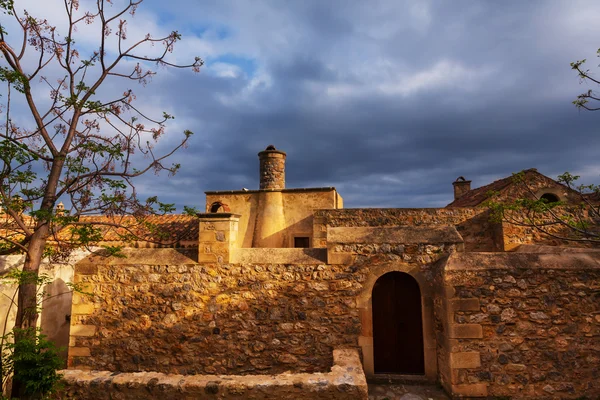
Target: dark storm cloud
(389,102)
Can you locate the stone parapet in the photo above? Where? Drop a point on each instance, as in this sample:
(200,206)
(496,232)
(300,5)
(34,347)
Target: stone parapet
(345,381)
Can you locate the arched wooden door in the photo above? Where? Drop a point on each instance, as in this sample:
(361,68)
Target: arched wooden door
(397,325)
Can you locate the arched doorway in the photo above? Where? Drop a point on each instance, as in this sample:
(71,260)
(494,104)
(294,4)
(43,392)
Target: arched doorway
(397,325)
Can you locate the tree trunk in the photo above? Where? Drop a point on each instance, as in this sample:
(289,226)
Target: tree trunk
(27,302)
(27,314)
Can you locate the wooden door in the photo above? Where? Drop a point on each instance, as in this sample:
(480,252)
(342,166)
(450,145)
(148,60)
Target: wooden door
(397,325)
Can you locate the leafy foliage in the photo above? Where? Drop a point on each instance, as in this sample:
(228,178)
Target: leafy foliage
(587,100)
(33,360)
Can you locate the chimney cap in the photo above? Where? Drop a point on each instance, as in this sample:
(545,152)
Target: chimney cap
(461,179)
(270,151)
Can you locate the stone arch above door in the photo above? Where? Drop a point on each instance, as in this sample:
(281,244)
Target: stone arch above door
(365,307)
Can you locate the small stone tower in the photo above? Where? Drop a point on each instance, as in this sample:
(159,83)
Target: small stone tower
(270,216)
(272,168)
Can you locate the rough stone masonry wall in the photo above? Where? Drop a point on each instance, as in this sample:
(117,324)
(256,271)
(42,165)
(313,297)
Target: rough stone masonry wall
(272,170)
(524,326)
(163,312)
(345,381)
(516,235)
(474,226)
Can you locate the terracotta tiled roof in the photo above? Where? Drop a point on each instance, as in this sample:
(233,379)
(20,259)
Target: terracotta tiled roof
(10,229)
(170,228)
(475,197)
(176,227)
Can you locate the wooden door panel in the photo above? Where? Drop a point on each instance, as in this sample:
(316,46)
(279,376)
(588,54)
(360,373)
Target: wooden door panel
(397,325)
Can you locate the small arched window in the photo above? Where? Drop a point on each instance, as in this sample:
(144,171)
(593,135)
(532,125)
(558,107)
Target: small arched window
(217,206)
(550,198)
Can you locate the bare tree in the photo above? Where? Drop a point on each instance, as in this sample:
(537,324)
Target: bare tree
(77,144)
(590,99)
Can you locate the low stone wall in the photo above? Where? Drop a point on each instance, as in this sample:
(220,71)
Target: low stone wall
(516,236)
(346,381)
(524,326)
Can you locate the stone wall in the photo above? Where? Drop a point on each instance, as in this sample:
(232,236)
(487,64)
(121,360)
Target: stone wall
(479,234)
(517,235)
(345,381)
(160,311)
(522,325)
(56,304)
(296,208)
(280,256)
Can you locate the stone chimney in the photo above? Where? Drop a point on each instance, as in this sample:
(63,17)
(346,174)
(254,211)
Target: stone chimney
(270,217)
(461,186)
(272,169)
(60,209)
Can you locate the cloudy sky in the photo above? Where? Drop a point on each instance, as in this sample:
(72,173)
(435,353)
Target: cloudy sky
(388,101)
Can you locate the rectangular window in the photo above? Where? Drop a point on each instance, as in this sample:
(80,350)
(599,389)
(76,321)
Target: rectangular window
(301,242)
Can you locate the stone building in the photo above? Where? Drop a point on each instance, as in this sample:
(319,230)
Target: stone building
(285,278)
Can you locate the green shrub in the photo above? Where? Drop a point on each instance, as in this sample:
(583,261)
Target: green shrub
(33,360)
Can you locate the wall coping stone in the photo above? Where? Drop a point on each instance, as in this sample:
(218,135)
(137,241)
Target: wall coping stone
(139,256)
(298,190)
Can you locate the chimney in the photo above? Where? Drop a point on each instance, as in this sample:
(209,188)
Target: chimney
(461,186)
(270,217)
(272,169)
(60,209)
